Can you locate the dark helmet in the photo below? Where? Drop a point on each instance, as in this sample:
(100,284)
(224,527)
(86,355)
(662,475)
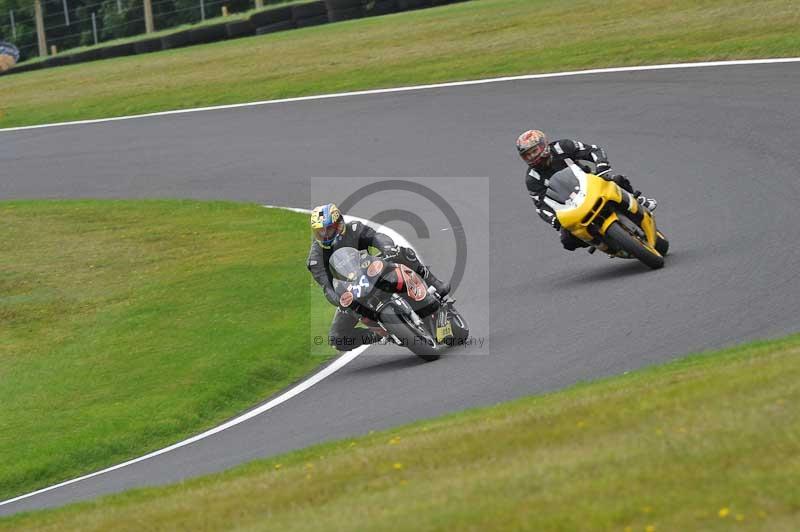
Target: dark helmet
(533,147)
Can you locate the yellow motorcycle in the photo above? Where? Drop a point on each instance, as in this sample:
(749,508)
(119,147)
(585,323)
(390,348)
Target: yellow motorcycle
(604,215)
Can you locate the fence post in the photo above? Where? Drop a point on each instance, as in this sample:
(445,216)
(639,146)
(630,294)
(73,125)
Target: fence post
(94,27)
(40,36)
(13,24)
(148,17)
(259,4)
(202,10)
(119,7)
(66,12)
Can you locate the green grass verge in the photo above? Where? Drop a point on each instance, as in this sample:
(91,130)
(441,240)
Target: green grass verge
(128,325)
(710,442)
(469,40)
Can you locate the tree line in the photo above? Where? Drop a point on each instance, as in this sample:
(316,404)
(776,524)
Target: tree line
(113,19)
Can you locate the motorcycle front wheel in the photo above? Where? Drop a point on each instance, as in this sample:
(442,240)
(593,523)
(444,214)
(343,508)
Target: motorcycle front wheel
(662,244)
(622,239)
(411,336)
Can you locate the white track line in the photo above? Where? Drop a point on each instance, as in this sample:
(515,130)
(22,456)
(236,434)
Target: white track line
(329,370)
(303,386)
(421,87)
(386,230)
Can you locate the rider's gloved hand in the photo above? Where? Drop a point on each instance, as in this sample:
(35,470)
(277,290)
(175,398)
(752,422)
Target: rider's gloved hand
(623,182)
(349,312)
(389,253)
(330,295)
(400,254)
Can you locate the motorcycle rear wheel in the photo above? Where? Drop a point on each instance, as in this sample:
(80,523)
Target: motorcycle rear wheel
(619,236)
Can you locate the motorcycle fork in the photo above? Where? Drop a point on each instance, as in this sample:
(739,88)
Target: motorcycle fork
(441,317)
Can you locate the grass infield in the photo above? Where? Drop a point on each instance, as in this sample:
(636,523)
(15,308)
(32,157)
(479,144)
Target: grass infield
(709,442)
(128,325)
(482,38)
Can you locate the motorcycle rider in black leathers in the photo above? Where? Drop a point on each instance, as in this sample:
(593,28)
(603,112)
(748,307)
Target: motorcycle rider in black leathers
(332,232)
(546,158)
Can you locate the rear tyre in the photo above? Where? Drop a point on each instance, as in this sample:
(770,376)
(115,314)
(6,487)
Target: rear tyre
(57,60)
(381,7)
(412,337)
(309,10)
(273,28)
(176,40)
(147,46)
(342,4)
(350,13)
(239,28)
(404,5)
(622,239)
(207,34)
(118,50)
(260,19)
(312,21)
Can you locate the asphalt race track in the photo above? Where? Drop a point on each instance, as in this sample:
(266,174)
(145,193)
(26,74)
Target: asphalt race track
(714,145)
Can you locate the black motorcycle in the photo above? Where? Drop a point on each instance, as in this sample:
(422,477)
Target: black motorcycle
(395,302)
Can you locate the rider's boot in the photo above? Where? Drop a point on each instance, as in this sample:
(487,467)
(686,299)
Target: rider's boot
(648,203)
(375,338)
(440,286)
(385,340)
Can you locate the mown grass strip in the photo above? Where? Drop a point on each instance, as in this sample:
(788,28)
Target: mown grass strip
(129,325)
(709,442)
(477,39)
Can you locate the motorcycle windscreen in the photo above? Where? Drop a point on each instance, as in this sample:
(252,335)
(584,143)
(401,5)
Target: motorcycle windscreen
(563,185)
(345,264)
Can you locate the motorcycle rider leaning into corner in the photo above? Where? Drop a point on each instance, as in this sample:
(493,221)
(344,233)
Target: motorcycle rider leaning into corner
(331,232)
(545,158)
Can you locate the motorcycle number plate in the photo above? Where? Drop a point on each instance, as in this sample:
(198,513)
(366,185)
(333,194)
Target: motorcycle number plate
(444,332)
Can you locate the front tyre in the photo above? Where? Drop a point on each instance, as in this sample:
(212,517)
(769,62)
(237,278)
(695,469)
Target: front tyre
(415,338)
(662,244)
(619,237)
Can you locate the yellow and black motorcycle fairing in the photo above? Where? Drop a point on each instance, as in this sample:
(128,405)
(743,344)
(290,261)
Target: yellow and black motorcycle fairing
(605,216)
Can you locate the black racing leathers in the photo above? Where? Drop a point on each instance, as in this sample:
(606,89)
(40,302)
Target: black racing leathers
(537,179)
(356,235)
(344,335)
